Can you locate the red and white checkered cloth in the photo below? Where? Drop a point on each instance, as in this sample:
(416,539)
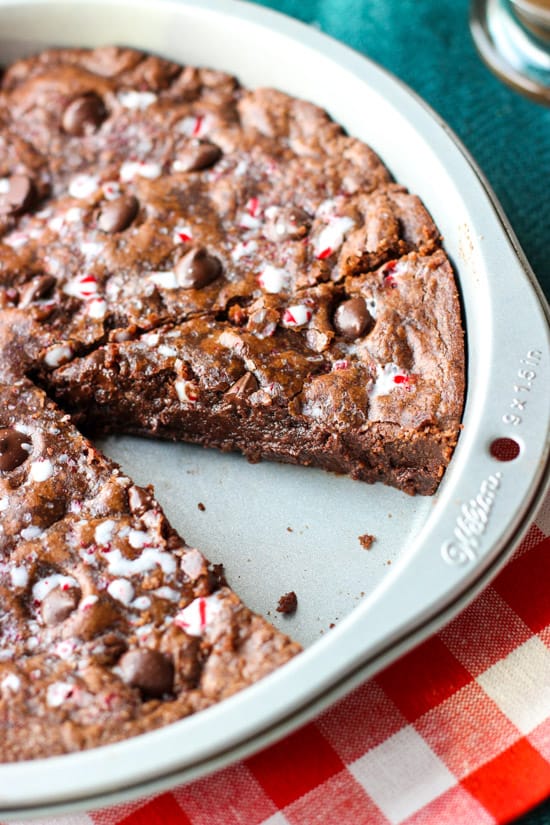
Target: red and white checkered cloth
(457,732)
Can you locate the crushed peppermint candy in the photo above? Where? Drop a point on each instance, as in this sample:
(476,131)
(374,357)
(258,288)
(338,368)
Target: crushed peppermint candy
(97,308)
(65,648)
(187,391)
(43,586)
(10,683)
(41,470)
(88,601)
(132,169)
(103,533)
(4,186)
(4,503)
(83,286)
(196,618)
(82,186)
(183,234)
(167,593)
(388,377)
(58,693)
(133,99)
(331,238)
(243,249)
(111,190)
(119,565)
(138,539)
(168,352)
(58,355)
(273,279)
(296,316)
(16,239)
(392,271)
(194,125)
(141,603)
(19,576)
(165,280)
(341,364)
(122,590)
(31,532)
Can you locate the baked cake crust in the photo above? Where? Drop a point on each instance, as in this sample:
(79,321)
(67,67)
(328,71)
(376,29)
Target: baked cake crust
(186,259)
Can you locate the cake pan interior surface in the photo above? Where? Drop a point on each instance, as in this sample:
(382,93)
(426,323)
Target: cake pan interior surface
(279,528)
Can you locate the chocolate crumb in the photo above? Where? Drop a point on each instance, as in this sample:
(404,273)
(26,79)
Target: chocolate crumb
(331,625)
(366,541)
(288,603)
(289,529)
(201,506)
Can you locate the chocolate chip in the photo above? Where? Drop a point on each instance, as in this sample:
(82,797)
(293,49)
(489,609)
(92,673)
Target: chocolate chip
(148,670)
(197,269)
(12,451)
(198,155)
(242,388)
(58,605)
(287,223)
(117,215)
(37,289)
(353,319)
(20,196)
(84,115)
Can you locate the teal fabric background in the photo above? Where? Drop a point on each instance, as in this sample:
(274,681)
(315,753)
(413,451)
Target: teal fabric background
(427,44)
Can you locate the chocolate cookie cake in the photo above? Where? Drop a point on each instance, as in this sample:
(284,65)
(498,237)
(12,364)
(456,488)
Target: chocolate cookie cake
(185,259)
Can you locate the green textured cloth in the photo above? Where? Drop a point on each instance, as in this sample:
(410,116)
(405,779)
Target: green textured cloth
(427,44)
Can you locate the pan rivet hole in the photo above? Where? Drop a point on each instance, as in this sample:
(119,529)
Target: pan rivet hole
(504,449)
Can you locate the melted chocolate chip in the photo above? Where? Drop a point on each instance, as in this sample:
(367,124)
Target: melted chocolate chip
(287,223)
(58,605)
(353,319)
(198,155)
(20,196)
(148,670)
(83,115)
(197,269)
(117,215)
(37,289)
(12,451)
(242,388)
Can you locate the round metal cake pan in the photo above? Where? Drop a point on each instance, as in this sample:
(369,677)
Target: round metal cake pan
(443,549)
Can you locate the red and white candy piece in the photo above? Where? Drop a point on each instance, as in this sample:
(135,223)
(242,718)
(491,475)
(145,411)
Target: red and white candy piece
(134,169)
(187,391)
(331,238)
(183,234)
(388,378)
(392,271)
(43,586)
(121,590)
(41,470)
(83,286)
(296,316)
(243,249)
(82,186)
(251,218)
(273,279)
(341,364)
(199,615)
(111,190)
(194,125)
(58,693)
